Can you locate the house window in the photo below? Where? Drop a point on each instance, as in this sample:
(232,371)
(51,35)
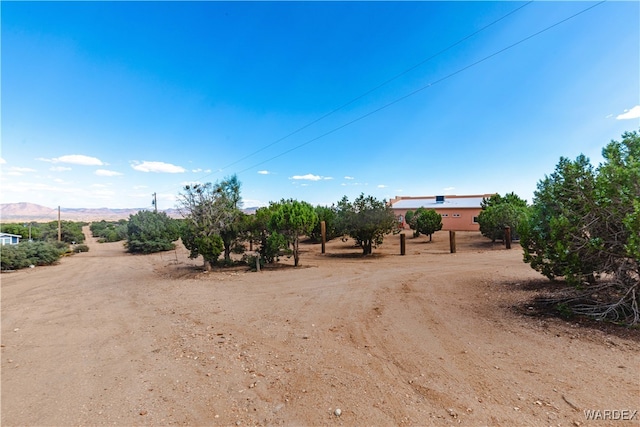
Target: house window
(445,215)
(475,219)
(456,215)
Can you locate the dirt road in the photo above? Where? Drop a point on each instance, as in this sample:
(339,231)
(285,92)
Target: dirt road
(430,338)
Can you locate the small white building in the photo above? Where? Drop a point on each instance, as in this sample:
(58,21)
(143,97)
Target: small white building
(9,239)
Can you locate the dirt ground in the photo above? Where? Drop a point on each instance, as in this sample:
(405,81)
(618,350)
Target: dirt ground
(429,338)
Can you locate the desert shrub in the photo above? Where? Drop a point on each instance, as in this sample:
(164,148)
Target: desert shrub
(81,248)
(584,226)
(424,221)
(13,257)
(367,220)
(499,212)
(69,231)
(251,261)
(209,246)
(109,231)
(24,254)
(275,247)
(328,215)
(149,232)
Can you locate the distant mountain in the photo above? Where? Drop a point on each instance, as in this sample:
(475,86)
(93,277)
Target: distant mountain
(24,212)
(21,212)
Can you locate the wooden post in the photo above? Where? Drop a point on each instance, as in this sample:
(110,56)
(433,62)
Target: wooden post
(258,263)
(507,237)
(59,226)
(452,241)
(323,231)
(403,244)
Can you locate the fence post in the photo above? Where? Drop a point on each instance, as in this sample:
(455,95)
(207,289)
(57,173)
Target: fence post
(323,231)
(403,244)
(452,241)
(507,237)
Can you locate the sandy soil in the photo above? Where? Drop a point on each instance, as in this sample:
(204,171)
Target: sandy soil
(430,338)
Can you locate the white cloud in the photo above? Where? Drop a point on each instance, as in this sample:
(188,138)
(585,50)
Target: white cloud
(2,161)
(633,113)
(104,172)
(196,170)
(349,177)
(59,168)
(18,169)
(382,186)
(310,177)
(449,188)
(31,187)
(264,172)
(75,159)
(254,203)
(159,167)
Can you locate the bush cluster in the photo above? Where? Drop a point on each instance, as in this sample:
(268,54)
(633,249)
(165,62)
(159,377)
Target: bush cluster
(149,232)
(25,254)
(109,231)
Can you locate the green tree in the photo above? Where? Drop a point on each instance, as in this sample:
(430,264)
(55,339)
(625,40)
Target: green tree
(496,199)
(426,221)
(585,226)
(328,215)
(293,219)
(272,244)
(149,232)
(22,230)
(499,212)
(212,212)
(70,231)
(109,231)
(408,217)
(231,225)
(367,220)
(199,244)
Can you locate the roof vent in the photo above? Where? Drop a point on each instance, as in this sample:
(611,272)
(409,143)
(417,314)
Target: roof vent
(439,199)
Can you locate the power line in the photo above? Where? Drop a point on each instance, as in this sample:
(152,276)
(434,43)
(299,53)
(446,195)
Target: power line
(395,101)
(386,82)
(424,61)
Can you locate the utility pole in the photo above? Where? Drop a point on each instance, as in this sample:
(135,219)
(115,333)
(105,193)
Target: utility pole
(154,202)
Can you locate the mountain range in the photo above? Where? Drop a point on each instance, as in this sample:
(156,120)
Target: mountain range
(23,212)
(27,212)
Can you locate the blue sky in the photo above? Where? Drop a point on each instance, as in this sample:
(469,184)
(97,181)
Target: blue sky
(105,103)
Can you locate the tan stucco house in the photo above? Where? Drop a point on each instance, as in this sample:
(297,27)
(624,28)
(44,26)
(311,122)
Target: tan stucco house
(459,213)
